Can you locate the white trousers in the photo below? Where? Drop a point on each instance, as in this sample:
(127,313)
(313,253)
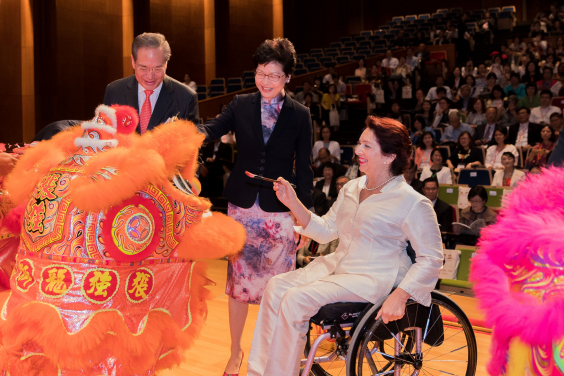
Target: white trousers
(280,332)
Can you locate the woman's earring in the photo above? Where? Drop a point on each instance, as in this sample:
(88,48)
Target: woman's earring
(287,81)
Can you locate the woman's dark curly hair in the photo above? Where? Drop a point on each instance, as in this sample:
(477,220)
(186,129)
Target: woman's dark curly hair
(280,50)
(393,138)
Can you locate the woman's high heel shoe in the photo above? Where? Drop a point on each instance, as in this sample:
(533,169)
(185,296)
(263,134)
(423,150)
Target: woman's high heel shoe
(235,374)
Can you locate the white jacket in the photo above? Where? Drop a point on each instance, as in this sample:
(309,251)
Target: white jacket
(444,176)
(371,256)
(498,178)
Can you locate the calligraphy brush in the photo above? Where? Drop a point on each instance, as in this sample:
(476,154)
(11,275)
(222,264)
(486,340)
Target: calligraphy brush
(265,179)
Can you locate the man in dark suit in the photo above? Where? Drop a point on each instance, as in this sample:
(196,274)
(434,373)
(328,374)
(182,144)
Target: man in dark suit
(484,133)
(156,96)
(442,209)
(409,176)
(524,134)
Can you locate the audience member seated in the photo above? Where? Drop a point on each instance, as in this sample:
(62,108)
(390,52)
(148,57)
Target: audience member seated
(535,170)
(325,156)
(531,98)
(327,184)
(313,249)
(390,61)
(437,170)
(339,184)
(541,114)
(419,99)
(496,66)
(307,89)
(396,113)
(477,114)
(442,209)
(314,110)
(402,70)
(494,152)
(427,113)
(538,154)
(326,142)
(532,74)
(320,202)
(465,155)
(409,176)
(419,127)
(524,134)
(353,171)
(506,75)
(496,100)
(360,70)
(188,82)
(548,82)
(518,47)
(432,94)
(441,113)
(422,54)
(463,99)
(328,78)
(471,82)
(411,60)
(469,69)
(556,122)
(477,197)
(515,87)
(423,152)
(485,131)
(509,116)
(509,176)
(456,80)
(331,101)
(491,82)
(482,77)
(455,127)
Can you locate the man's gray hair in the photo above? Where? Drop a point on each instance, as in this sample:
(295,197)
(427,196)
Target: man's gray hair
(150,40)
(456,113)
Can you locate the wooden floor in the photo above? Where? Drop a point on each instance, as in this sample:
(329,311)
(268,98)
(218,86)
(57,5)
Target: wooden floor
(210,352)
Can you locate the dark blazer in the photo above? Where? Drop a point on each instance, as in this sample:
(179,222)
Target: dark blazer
(417,185)
(444,215)
(224,155)
(479,132)
(533,136)
(332,187)
(52,129)
(290,139)
(175,99)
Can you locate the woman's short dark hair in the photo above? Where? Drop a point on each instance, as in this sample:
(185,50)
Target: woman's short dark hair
(552,132)
(472,110)
(330,165)
(472,77)
(308,95)
(323,127)
(478,190)
(502,129)
(420,119)
(279,50)
(508,154)
(491,75)
(393,138)
(334,86)
(471,144)
(435,150)
(498,88)
(422,145)
(531,84)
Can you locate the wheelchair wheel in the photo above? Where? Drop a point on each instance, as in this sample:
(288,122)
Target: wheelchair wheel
(328,348)
(428,341)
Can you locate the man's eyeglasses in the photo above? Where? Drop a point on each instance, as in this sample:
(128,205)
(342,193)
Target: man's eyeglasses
(271,77)
(477,201)
(158,70)
(430,189)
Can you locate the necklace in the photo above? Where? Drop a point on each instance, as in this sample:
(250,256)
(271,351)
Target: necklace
(384,183)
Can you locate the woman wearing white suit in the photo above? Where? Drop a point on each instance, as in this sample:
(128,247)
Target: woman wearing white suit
(373,217)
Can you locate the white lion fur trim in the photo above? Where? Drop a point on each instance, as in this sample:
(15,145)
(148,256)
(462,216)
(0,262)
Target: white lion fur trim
(108,111)
(95,143)
(102,127)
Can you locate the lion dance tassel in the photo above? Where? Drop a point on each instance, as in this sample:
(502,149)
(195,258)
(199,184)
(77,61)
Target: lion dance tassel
(105,281)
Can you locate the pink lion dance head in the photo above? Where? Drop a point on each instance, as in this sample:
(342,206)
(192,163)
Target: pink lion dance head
(518,275)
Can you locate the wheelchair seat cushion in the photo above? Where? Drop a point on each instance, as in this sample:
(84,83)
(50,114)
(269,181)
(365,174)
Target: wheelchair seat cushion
(345,312)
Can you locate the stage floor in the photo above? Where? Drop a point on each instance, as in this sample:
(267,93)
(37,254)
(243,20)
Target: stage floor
(210,352)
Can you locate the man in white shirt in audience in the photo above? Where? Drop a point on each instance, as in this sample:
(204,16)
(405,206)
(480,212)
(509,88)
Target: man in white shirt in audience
(411,60)
(328,79)
(556,122)
(307,89)
(432,94)
(455,128)
(390,61)
(482,77)
(541,115)
(469,69)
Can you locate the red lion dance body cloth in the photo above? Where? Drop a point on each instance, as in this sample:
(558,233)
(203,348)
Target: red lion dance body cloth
(105,282)
(519,279)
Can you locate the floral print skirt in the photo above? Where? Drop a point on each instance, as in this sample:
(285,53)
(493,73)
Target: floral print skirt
(270,250)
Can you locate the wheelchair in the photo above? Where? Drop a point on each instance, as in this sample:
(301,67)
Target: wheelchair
(345,339)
